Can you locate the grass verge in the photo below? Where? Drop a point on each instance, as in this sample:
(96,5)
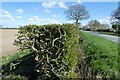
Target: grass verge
(10,58)
(110,33)
(100,54)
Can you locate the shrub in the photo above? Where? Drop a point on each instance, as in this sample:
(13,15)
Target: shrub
(116,28)
(56,47)
(103,30)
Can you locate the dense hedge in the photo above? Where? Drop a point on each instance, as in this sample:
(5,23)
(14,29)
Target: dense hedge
(101,55)
(55,47)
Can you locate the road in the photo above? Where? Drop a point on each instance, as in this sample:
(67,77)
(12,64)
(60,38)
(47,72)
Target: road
(109,37)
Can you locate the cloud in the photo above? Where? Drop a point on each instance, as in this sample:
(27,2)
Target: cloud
(8,20)
(7,17)
(52,21)
(83,24)
(55,16)
(105,20)
(49,4)
(4,12)
(19,11)
(19,17)
(35,19)
(12,19)
(47,11)
(79,1)
(52,4)
(62,5)
(38,20)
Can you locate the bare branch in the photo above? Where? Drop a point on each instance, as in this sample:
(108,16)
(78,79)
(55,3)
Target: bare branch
(76,12)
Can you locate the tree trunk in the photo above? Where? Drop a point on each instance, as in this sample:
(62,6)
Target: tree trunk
(76,22)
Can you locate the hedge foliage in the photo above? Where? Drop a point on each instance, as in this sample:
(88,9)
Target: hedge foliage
(56,49)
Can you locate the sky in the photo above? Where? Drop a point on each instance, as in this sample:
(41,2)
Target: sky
(15,14)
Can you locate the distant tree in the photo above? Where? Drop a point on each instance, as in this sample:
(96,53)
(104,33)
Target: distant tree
(76,12)
(94,24)
(105,26)
(116,27)
(86,28)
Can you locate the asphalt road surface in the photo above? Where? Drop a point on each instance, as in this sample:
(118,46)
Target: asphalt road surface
(109,37)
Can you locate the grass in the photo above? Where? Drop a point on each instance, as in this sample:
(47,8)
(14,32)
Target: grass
(10,58)
(18,66)
(111,33)
(101,54)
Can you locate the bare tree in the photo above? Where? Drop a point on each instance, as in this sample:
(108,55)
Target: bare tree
(116,18)
(76,12)
(116,15)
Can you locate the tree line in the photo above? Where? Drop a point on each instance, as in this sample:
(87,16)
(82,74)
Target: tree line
(78,13)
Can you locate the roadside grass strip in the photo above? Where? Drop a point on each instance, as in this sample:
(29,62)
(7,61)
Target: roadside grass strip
(111,33)
(100,54)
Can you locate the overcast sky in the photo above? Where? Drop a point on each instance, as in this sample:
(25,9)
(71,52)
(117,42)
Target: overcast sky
(15,14)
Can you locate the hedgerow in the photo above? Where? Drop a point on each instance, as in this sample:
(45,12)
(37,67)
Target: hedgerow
(55,47)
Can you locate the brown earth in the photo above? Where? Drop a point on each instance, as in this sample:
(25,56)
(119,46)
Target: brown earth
(7,37)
